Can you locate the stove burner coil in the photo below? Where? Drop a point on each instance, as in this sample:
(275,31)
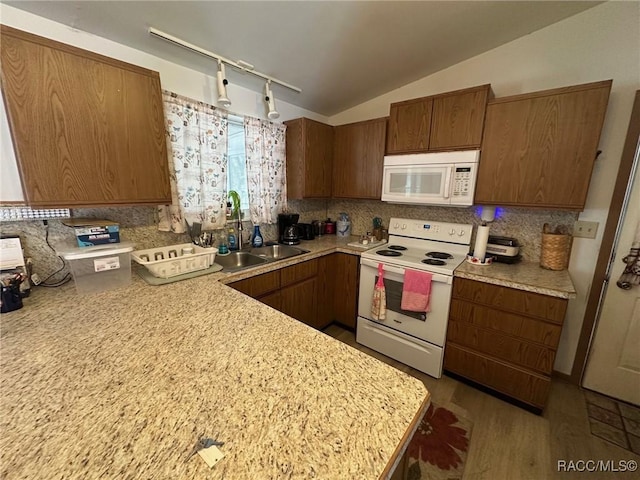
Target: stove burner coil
(433,261)
(440,255)
(397,247)
(388,253)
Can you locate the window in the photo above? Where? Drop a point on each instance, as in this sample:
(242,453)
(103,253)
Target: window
(237,166)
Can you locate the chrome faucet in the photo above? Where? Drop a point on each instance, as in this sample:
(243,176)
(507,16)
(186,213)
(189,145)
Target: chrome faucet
(240,229)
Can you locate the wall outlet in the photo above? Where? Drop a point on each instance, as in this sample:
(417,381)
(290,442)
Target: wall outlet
(585,229)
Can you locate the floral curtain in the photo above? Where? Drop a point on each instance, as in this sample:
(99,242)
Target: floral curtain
(197,144)
(266,172)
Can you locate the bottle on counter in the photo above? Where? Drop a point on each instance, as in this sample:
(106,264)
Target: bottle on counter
(233,240)
(256,240)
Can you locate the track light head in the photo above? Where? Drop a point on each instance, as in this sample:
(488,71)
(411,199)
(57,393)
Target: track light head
(222,81)
(270,101)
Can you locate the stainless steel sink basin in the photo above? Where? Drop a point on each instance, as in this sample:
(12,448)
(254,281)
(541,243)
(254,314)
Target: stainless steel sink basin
(239,260)
(277,252)
(257,256)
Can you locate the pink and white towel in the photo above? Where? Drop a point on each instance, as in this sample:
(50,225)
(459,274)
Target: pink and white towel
(416,291)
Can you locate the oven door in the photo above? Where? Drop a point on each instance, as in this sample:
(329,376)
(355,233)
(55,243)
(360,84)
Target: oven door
(431,326)
(425,184)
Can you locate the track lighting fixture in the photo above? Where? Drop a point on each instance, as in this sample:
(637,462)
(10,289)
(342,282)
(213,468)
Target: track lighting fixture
(271,101)
(240,65)
(223,100)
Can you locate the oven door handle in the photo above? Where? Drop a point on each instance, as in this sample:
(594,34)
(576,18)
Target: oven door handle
(436,277)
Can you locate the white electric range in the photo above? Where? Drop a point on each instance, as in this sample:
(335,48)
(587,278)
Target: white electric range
(414,338)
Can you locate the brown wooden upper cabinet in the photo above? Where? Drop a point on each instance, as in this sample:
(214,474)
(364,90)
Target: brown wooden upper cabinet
(87,129)
(309,159)
(539,148)
(357,159)
(450,121)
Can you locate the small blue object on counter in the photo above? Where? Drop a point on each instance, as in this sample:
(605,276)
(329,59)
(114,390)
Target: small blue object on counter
(256,240)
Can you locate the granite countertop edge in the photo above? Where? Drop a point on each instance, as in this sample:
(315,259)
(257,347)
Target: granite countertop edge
(530,277)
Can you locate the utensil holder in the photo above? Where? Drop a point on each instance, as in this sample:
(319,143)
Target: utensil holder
(555,251)
(11,299)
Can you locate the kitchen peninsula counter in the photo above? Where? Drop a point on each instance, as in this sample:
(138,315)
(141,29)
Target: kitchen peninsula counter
(122,383)
(528,276)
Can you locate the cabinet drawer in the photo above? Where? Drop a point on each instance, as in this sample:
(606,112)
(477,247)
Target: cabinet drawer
(512,381)
(502,346)
(525,328)
(510,299)
(259,285)
(296,273)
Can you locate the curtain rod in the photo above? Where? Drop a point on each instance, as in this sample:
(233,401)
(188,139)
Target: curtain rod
(243,66)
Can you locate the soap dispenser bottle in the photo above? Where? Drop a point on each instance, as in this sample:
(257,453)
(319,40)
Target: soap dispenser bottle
(233,243)
(257,239)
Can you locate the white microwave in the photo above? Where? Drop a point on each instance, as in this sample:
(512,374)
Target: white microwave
(444,178)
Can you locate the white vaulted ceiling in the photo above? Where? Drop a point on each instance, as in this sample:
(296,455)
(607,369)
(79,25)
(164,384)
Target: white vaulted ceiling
(340,53)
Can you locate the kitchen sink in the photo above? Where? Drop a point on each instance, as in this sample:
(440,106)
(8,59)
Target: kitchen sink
(277,252)
(238,261)
(257,256)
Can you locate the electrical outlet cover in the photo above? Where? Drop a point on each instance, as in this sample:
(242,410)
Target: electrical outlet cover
(585,229)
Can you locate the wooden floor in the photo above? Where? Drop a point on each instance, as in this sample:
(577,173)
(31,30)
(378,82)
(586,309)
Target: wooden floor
(510,443)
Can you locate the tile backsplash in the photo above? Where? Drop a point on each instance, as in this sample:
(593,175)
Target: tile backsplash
(137,224)
(523,224)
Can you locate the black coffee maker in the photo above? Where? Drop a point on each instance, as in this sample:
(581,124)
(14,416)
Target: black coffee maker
(288,232)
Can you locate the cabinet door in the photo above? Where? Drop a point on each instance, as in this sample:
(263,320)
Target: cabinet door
(87,129)
(458,119)
(272,299)
(345,297)
(299,301)
(409,126)
(327,285)
(358,158)
(539,149)
(309,159)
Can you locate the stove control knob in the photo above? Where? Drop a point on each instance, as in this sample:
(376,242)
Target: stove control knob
(396,225)
(461,233)
(404,226)
(452,232)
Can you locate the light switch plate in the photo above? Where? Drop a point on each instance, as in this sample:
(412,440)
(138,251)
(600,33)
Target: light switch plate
(585,229)
(211,455)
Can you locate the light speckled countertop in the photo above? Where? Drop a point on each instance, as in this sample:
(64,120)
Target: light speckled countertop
(121,384)
(527,276)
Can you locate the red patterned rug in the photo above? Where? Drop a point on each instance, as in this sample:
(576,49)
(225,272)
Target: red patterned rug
(438,449)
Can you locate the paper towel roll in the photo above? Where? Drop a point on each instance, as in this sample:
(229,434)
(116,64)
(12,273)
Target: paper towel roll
(482,237)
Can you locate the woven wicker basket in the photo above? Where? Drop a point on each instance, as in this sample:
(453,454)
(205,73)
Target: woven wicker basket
(555,251)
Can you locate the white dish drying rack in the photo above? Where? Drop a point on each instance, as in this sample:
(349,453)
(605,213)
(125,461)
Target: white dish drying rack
(174,260)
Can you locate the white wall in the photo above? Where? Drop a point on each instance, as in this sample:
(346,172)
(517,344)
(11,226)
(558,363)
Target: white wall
(598,44)
(173,77)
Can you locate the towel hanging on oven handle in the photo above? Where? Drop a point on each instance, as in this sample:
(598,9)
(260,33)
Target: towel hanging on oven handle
(379,300)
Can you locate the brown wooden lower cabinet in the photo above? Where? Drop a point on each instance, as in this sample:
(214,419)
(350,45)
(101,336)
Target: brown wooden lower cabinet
(316,292)
(299,301)
(504,339)
(344,278)
(515,382)
(271,299)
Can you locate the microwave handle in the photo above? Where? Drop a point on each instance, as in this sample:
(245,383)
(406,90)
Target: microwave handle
(447,182)
(436,277)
